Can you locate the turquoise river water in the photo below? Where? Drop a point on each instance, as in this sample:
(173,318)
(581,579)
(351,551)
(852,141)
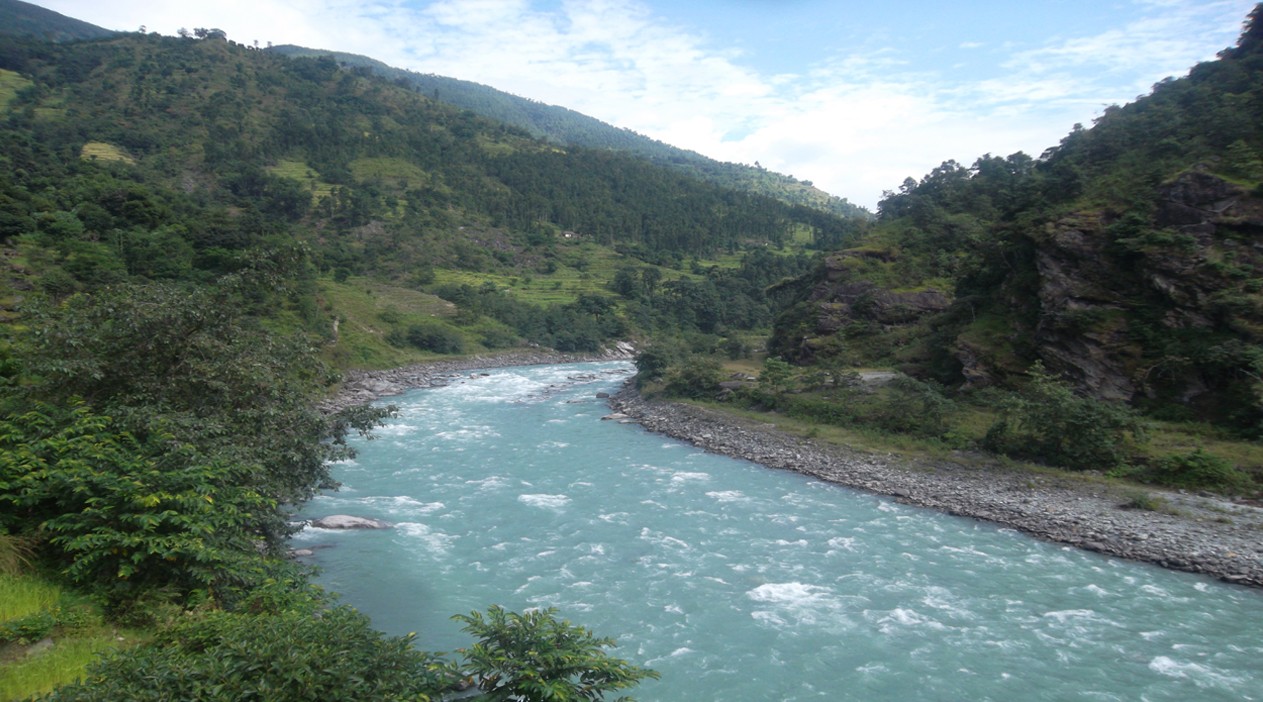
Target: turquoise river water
(737,582)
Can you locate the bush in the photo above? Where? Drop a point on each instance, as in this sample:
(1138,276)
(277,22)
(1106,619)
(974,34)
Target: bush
(332,654)
(1047,422)
(1198,470)
(29,629)
(652,364)
(696,377)
(534,657)
(909,406)
(435,337)
(819,409)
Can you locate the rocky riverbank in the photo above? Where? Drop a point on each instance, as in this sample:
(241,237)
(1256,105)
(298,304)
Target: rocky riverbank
(1196,533)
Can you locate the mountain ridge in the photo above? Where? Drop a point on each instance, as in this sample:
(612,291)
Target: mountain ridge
(24,18)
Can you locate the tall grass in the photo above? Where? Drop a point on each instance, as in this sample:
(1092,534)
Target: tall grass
(79,637)
(64,663)
(15,554)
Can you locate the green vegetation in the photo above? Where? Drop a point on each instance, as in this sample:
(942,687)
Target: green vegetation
(283,643)
(569,128)
(1049,423)
(534,657)
(199,237)
(10,84)
(94,150)
(33,608)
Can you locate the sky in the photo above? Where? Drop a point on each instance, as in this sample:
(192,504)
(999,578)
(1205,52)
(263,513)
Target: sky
(854,96)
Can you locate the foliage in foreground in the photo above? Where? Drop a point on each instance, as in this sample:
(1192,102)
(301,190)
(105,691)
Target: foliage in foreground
(292,644)
(157,436)
(534,657)
(297,656)
(33,608)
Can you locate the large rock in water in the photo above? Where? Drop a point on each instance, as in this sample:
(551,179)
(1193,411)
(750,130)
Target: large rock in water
(346,521)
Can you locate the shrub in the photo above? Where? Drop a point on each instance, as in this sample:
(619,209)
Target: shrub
(332,654)
(652,364)
(909,406)
(1198,470)
(1144,501)
(1047,422)
(29,629)
(820,409)
(695,377)
(534,657)
(435,337)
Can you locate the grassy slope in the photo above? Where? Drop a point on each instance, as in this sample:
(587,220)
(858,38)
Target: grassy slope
(76,643)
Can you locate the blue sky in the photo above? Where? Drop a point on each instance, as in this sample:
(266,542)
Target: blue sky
(854,96)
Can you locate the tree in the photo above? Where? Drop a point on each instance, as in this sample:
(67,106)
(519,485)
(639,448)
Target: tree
(190,356)
(534,657)
(122,515)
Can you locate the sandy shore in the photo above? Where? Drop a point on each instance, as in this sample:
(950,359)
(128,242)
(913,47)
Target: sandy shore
(1196,533)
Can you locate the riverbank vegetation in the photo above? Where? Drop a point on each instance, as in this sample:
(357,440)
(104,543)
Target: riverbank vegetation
(198,238)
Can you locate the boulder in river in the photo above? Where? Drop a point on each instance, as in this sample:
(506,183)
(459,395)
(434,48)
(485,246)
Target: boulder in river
(346,521)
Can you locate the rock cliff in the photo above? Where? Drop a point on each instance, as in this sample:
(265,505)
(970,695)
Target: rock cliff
(1154,307)
(1158,303)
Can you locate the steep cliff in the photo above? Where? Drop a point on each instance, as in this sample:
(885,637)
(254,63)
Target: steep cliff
(1165,306)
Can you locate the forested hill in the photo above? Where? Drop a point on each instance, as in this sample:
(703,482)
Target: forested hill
(566,127)
(149,158)
(1125,259)
(267,142)
(194,237)
(23,18)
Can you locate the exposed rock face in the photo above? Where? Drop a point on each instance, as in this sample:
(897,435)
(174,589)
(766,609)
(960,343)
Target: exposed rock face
(1175,272)
(839,299)
(1078,286)
(842,302)
(346,521)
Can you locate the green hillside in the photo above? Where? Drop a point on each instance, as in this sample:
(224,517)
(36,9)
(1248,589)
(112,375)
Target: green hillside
(566,127)
(1119,270)
(198,238)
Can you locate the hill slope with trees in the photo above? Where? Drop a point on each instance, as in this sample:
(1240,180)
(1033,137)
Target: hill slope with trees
(23,18)
(567,127)
(198,236)
(1119,271)
(187,225)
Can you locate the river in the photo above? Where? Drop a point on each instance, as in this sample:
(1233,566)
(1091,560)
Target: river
(737,582)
